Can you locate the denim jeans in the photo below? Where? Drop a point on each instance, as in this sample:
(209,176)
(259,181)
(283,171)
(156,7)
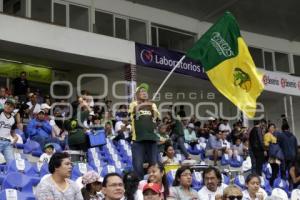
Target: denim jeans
(144,151)
(7,150)
(179,144)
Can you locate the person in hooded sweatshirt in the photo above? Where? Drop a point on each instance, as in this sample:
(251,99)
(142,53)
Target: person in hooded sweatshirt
(288,144)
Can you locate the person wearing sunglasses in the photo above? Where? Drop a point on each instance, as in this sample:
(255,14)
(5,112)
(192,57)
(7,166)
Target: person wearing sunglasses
(232,192)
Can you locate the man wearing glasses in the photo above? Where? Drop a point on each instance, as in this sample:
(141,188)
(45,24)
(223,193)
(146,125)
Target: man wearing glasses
(212,184)
(113,187)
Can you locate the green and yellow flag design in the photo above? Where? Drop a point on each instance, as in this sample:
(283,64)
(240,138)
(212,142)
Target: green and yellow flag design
(228,64)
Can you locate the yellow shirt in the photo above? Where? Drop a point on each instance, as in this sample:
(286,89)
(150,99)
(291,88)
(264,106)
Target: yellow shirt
(269,138)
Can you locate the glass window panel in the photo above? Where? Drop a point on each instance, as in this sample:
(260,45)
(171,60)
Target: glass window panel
(60,15)
(15,7)
(41,10)
(103,23)
(256,54)
(120,28)
(175,40)
(153,36)
(297,64)
(282,62)
(137,31)
(268,61)
(79,17)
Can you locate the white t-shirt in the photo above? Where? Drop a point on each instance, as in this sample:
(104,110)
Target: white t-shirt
(226,144)
(36,109)
(6,125)
(206,194)
(246,195)
(45,157)
(118,127)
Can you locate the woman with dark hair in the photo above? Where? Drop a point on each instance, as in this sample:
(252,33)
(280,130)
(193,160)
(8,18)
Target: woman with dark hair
(272,147)
(58,185)
(92,186)
(156,174)
(182,185)
(131,181)
(169,155)
(295,173)
(254,191)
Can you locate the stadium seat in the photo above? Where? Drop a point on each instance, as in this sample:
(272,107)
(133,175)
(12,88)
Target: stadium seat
(41,168)
(79,169)
(9,194)
(197,180)
(57,147)
(20,182)
(24,167)
(225,160)
(30,146)
(282,184)
(236,161)
(267,170)
(109,169)
(264,183)
(3,172)
(171,177)
(239,180)
(295,194)
(225,179)
(280,194)
(195,150)
(180,157)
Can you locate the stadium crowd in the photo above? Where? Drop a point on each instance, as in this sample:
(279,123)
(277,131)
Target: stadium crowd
(147,156)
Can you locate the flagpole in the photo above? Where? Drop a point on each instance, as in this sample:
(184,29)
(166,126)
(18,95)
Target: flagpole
(170,73)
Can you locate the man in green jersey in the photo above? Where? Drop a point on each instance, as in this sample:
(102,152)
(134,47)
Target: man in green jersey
(143,116)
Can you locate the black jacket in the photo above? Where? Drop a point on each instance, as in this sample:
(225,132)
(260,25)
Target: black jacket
(256,144)
(288,144)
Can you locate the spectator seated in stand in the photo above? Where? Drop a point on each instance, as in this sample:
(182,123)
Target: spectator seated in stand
(190,135)
(123,129)
(214,147)
(169,156)
(34,106)
(48,152)
(40,130)
(109,131)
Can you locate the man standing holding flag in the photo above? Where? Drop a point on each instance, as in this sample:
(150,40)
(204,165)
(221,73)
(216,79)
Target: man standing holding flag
(143,114)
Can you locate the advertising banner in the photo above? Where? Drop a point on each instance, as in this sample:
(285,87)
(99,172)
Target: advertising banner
(281,83)
(164,59)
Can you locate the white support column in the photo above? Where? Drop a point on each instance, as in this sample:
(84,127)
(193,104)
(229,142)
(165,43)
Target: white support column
(28,8)
(285,106)
(1,5)
(148,33)
(92,16)
(292,114)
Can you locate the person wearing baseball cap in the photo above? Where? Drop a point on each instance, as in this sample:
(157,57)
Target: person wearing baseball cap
(143,114)
(92,183)
(152,191)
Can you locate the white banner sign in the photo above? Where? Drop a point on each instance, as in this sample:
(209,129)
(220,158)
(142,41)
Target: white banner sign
(281,83)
